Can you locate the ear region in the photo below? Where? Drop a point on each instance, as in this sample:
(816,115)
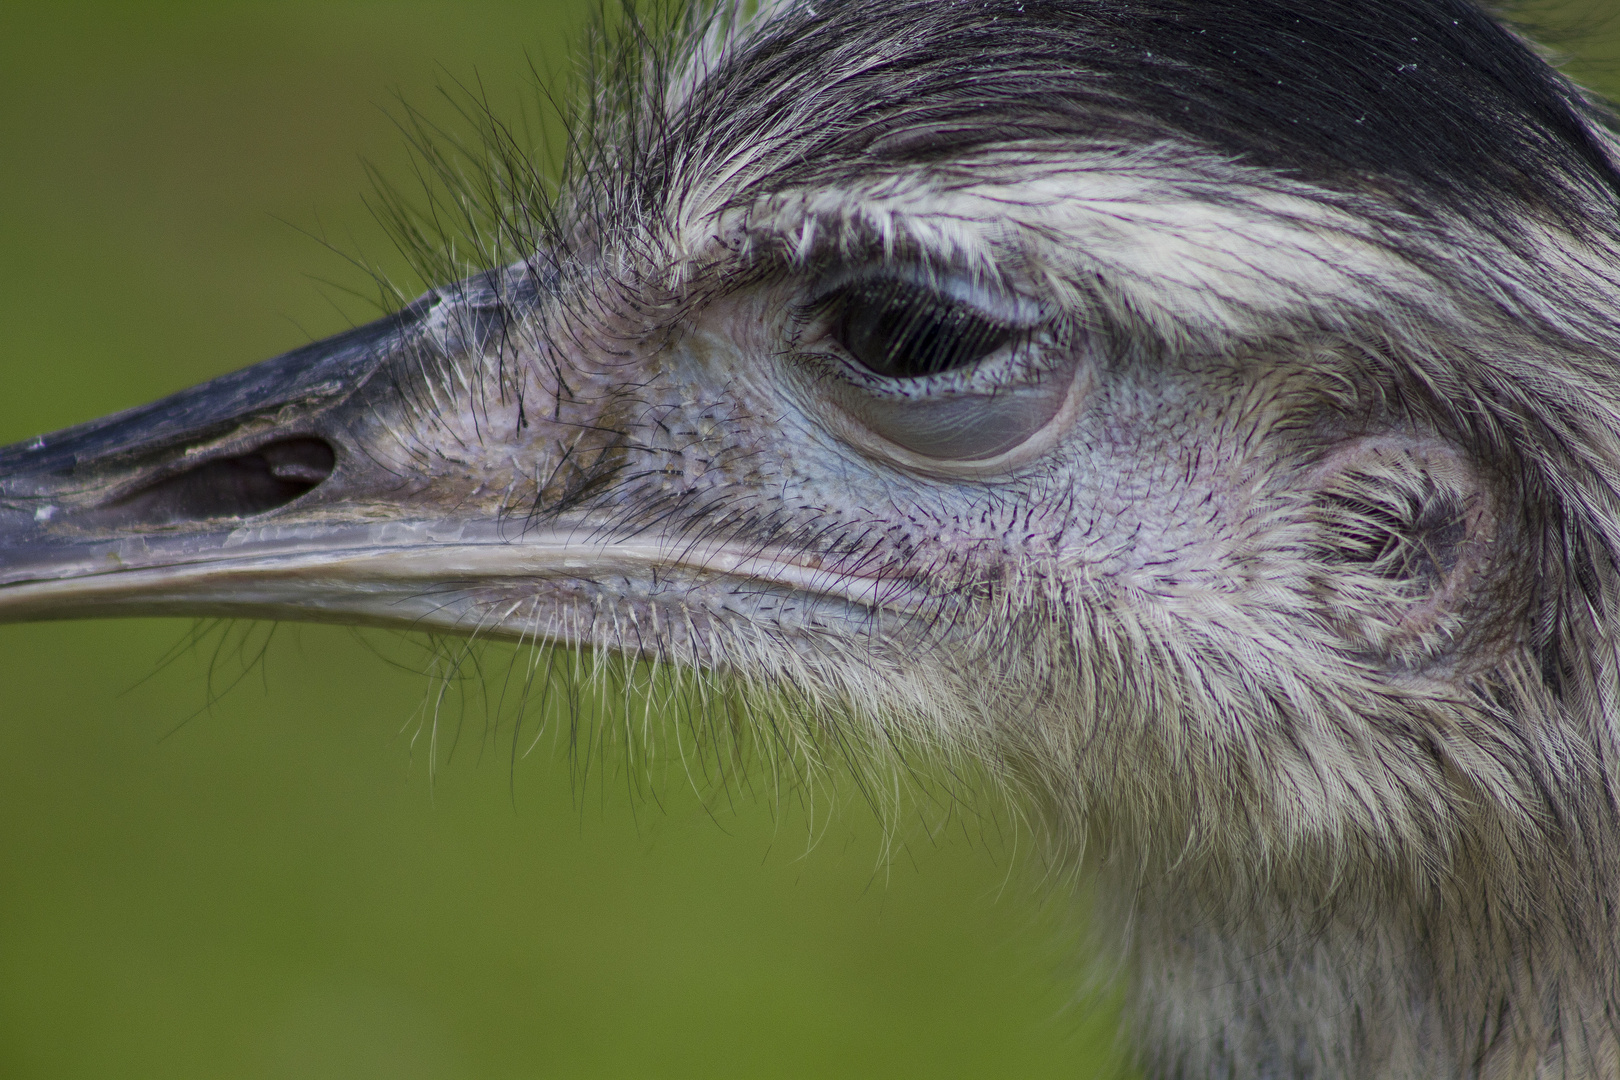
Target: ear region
(1405,535)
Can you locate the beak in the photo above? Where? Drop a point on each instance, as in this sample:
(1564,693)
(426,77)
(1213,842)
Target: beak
(287,490)
(449,468)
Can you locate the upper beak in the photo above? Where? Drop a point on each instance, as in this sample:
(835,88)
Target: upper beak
(281,490)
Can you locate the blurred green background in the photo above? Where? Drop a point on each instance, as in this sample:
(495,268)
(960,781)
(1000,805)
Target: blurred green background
(210,875)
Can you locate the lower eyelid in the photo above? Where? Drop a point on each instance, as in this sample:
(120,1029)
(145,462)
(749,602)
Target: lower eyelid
(961,427)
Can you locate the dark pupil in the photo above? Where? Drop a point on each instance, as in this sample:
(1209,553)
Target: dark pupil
(905,331)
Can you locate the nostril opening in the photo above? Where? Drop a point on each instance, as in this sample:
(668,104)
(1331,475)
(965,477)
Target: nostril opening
(297,461)
(256,482)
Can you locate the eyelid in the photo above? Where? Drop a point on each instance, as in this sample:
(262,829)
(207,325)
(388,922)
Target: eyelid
(956,434)
(995,304)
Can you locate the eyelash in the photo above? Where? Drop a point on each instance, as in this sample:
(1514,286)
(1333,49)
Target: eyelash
(899,330)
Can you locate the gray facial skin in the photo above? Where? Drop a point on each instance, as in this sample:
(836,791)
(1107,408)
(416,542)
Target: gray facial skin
(1246,504)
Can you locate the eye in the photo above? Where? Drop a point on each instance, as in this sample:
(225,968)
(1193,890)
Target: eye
(957,380)
(905,331)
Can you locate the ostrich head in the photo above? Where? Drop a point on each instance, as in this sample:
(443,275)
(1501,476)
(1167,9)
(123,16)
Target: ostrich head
(1202,416)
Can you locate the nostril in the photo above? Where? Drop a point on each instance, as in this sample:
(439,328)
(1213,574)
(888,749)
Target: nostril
(297,461)
(242,485)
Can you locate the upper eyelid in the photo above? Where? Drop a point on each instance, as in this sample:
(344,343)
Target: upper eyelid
(994,305)
(842,251)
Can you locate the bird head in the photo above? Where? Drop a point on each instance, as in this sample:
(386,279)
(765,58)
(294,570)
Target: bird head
(1202,415)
